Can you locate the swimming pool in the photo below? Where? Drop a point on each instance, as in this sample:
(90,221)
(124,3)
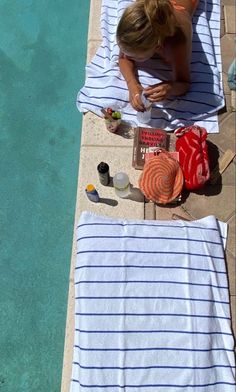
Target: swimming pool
(43,53)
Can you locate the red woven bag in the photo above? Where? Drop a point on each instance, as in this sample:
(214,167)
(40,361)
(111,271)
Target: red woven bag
(193,155)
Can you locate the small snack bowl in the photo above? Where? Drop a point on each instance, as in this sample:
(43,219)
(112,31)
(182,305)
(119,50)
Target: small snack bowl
(112,119)
(112,125)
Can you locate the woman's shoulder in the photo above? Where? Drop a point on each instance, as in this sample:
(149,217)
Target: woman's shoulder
(183,32)
(184,24)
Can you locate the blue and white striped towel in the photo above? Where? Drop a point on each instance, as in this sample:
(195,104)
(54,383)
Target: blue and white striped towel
(105,86)
(151,307)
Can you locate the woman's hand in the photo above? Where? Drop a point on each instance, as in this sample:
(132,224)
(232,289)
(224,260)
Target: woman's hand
(135,91)
(159,92)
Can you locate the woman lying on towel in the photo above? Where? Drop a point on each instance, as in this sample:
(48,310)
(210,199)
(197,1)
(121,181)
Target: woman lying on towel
(156,26)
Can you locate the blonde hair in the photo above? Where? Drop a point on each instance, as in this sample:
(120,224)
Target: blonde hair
(145,24)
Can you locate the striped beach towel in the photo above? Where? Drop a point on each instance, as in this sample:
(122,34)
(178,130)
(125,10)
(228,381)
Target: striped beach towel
(105,86)
(151,307)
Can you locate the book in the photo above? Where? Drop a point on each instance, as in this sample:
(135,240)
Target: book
(145,138)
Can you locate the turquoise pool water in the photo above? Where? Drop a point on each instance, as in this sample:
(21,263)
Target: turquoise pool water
(42,55)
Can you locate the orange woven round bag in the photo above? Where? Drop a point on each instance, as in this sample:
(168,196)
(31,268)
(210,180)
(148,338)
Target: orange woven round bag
(162,179)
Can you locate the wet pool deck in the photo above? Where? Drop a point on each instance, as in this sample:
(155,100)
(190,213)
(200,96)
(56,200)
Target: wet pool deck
(98,145)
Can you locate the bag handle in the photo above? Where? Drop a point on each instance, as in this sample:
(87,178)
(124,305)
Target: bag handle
(182,130)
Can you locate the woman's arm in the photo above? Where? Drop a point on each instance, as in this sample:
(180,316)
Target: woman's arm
(179,86)
(127,69)
(181,55)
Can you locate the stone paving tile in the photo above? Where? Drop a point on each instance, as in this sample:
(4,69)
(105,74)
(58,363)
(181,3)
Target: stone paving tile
(110,205)
(212,200)
(228,2)
(222,22)
(233,313)
(231,246)
(228,177)
(227,51)
(225,83)
(94,30)
(92,48)
(226,139)
(95,133)
(224,112)
(230,15)
(230,262)
(165,213)
(149,210)
(233,100)
(227,126)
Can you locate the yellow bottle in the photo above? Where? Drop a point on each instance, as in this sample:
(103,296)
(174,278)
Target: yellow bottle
(92,193)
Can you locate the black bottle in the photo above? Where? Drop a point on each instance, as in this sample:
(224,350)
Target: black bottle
(103,173)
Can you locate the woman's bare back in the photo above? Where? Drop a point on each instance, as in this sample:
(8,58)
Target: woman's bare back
(184,9)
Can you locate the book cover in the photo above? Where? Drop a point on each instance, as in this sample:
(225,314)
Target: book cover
(145,138)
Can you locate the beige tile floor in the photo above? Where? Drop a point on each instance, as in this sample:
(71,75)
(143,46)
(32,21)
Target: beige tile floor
(97,145)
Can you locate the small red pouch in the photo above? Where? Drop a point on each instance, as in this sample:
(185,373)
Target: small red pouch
(193,156)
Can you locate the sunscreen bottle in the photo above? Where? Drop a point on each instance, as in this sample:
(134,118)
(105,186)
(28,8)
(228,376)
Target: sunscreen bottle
(92,193)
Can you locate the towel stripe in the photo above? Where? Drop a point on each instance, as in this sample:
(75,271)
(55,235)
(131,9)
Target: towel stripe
(150,282)
(157,331)
(149,266)
(149,252)
(152,314)
(158,298)
(155,349)
(155,385)
(152,367)
(149,238)
(190,226)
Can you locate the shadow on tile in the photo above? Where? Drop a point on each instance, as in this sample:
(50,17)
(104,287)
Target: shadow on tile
(126,130)
(110,202)
(210,189)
